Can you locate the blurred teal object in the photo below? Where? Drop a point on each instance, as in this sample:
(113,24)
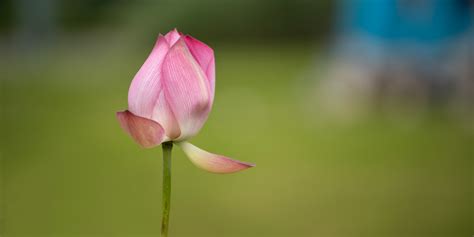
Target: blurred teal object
(422,47)
(421,32)
(418,21)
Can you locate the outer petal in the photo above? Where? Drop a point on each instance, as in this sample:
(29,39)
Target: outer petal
(186,90)
(212,162)
(146,85)
(147,133)
(146,96)
(172,37)
(204,55)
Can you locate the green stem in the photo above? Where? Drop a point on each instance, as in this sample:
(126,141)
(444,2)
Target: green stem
(167,146)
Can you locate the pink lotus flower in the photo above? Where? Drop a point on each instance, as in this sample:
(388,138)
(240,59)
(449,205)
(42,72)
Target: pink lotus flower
(170,99)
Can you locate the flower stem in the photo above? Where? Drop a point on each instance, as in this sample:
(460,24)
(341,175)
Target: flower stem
(167,146)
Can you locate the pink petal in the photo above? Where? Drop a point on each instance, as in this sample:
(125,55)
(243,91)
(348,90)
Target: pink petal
(163,114)
(204,55)
(186,89)
(146,85)
(147,133)
(212,162)
(172,37)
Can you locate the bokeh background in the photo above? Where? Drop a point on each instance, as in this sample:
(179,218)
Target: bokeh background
(357,113)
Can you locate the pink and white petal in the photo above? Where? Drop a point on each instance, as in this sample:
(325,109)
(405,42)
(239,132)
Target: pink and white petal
(211,162)
(211,77)
(204,55)
(172,37)
(147,133)
(186,90)
(163,114)
(146,85)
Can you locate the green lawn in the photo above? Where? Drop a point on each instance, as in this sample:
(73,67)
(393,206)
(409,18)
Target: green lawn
(69,170)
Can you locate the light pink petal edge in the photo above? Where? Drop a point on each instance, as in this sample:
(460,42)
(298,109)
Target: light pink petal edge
(147,133)
(212,162)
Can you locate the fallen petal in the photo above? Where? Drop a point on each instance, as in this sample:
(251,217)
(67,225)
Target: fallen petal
(147,133)
(212,162)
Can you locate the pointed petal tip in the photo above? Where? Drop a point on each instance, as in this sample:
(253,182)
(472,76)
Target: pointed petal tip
(226,165)
(173,36)
(220,164)
(250,165)
(212,162)
(147,133)
(160,40)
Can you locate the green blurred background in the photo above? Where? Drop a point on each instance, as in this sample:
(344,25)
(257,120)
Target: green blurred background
(67,169)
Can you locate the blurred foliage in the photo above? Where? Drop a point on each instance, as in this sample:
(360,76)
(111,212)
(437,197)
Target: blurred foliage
(225,19)
(6,15)
(70,170)
(246,19)
(76,15)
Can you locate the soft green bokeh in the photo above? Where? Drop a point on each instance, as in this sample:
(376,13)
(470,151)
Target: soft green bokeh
(69,170)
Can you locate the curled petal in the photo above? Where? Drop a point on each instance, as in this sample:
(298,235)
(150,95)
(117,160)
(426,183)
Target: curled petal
(186,90)
(211,162)
(147,133)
